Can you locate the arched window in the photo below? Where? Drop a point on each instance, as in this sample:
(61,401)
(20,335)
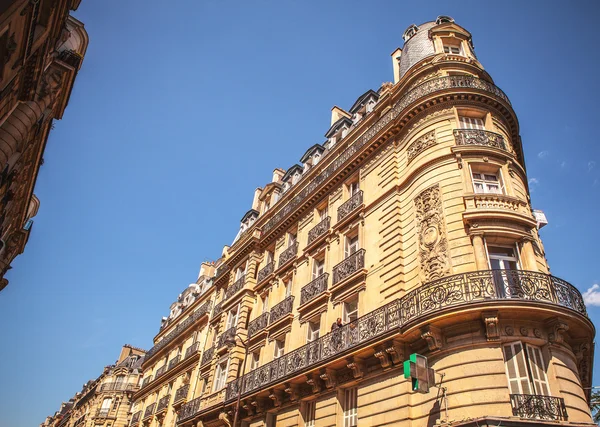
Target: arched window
(442,19)
(410,31)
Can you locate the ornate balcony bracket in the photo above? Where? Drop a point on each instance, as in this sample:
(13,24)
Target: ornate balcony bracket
(292,391)
(328,376)
(433,337)
(492,329)
(357,366)
(533,406)
(314,381)
(556,330)
(276,396)
(394,349)
(384,357)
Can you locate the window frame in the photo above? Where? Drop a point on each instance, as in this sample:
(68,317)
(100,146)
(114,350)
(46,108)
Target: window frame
(351,407)
(537,386)
(318,268)
(349,316)
(279,348)
(471,122)
(484,181)
(313,330)
(351,240)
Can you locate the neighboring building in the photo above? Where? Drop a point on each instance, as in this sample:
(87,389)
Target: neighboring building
(105,401)
(172,367)
(41,51)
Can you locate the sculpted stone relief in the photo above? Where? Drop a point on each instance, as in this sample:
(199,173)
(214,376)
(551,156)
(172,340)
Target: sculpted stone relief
(433,244)
(420,145)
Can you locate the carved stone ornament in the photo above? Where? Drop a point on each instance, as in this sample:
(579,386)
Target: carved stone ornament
(315,382)
(492,331)
(420,144)
(329,377)
(557,330)
(292,391)
(383,357)
(433,337)
(357,366)
(276,396)
(582,356)
(433,245)
(259,404)
(537,333)
(524,331)
(509,331)
(394,349)
(248,407)
(225,418)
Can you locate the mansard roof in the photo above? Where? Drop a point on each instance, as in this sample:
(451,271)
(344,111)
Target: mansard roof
(291,171)
(311,151)
(251,212)
(362,99)
(334,127)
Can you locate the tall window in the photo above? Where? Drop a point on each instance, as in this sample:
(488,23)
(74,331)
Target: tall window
(255,360)
(525,369)
(279,348)
(503,258)
(323,213)
(350,310)
(291,239)
(351,245)
(220,375)
(240,272)
(318,268)
(265,303)
(288,288)
(471,123)
(269,256)
(232,319)
(312,331)
(353,188)
(486,182)
(350,407)
(309,413)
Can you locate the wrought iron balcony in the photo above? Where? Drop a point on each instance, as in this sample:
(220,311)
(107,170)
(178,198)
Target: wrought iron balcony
(227,336)
(146,381)
(281,309)
(179,328)
(189,409)
(218,309)
(350,205)
(423,90)
(160,371)
(479,137)
(102,413)
(319,230)
(235,287)
(458,290)
(149,411)
(136,418)
(181,393)
(314,288)
(207,355)
(288,255)
(265,272)
(116,386)
(192,349)
(538,407)
(174,362)
(163,403)
(349,266)
(258,324)
(70,57)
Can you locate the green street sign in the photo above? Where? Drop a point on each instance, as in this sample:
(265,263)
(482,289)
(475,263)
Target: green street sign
(421,375)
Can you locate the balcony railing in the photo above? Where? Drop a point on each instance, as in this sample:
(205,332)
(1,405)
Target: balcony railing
(235,287)
(189,409)
(115,386)
(136,418)
(258,324)
(479,137)
(314,288)
(534,406)
(350,205)
(318,230)
(421,91)
(179,328)
(495,201)
(227,336)
(163,403)
(349,266)
(218,309)
(281,309)
(160,371)
(265,271)
(192,349)
(146,381)
(207,355)
(181,393)
(174,361)
(149,410)
(457,290)
(288,255)
(102,412)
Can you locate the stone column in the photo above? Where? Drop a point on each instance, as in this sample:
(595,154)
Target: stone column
(480,253)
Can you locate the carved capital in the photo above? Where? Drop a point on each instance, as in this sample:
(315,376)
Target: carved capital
(276,396)
(292,391)
(433,337)
(328,376)
(383,357)
(394,349)
(557,329)
(315,382)
(492,330)
(357,366)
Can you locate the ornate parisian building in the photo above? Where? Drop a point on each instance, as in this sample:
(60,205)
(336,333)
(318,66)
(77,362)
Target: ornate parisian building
(412,225)
(41,51)
(105,401)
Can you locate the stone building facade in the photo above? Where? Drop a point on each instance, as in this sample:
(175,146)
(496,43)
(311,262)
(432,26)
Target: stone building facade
(105,401)
(411,224)
(41,51)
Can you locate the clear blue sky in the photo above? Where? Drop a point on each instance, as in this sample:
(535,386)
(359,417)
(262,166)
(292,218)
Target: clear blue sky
(183,108)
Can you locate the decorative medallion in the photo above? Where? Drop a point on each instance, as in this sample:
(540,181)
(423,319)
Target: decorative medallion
(509,331)
(420,145)
(524,331)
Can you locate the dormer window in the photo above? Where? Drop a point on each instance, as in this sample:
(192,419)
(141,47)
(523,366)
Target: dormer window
(316,158)
(410,31)
(443,19)
(452,49)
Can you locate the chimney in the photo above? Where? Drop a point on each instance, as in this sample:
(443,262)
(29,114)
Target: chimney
(256,201)
(396,64)
(337,113)
(278,175)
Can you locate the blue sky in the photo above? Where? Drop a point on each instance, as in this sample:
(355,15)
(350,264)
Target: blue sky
(181,110)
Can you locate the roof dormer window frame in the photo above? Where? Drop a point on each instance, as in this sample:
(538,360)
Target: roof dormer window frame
(409,32)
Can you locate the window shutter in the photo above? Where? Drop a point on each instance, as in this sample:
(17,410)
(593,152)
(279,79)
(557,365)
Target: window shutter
(538,370)
(516,369)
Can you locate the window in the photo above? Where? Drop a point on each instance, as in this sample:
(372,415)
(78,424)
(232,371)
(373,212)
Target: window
(471,123)
(353,188)
(220,374)
(204,384)
(351,245)
(266,206)
(350,408)
(312,331)
(233,318)
(350,310)
(323,212)
(486,183)
(240,272)
(291,239)
(318,268)
(525,369)
(309,413)
(453,49)
(503,258)
(269,256)
(265,303)
(288,288)
(255,360)
(279,348)
(316,158)
(120,380)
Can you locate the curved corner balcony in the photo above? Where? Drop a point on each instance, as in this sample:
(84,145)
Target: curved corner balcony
(449,292)
(479,137)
